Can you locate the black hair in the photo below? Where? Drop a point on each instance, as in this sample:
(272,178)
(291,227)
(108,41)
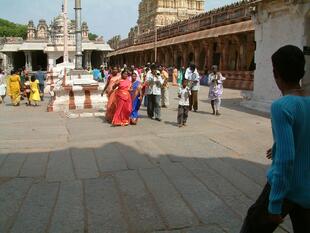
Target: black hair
(192,66)
(12,72)
(153,67)
(33,78)
(289,61)
(123,71)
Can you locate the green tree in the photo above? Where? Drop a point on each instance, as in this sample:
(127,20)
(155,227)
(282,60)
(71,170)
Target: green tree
(9,29)
(92,36)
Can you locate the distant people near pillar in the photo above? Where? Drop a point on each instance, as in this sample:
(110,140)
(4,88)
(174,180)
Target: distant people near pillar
(27,90)
(216,89)
(40,76)
(193,78)
(175,76)
(110,92)
(14,87)
(154,83)
(23,73)
(165,87)
(2,86)
(181,74)
(97,75)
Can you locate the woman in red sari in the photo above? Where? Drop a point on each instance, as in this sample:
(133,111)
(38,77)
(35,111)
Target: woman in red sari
(108,89)
(123,101)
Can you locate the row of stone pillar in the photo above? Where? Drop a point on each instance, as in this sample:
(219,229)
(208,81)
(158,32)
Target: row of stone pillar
(234,52)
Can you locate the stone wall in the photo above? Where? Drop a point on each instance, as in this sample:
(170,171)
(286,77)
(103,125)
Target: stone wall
(277,23)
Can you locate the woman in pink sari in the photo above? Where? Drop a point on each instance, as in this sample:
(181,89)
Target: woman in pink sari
(123,101)
(108,89)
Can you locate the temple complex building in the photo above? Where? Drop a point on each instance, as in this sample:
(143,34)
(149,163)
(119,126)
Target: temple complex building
(44,46)
(157,13)
(223,37)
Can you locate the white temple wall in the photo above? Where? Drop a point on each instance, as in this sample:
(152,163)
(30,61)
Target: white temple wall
(276,24)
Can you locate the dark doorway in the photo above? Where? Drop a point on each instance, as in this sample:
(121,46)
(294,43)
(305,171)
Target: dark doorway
(96,59)
(202,59)
(19,60)
(191,58)
(179,61)
(60,60)
(216,59)
(39,59)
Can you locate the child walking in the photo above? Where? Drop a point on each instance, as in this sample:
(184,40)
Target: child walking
(183,109)
(35,93)
(27,90)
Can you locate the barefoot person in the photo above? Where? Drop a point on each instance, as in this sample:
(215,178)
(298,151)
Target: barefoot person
(2,86)
(287,191)
(34,97)
(108,89)
(14,88)
(123,101)
(216,90)
(136,96)
(183,109)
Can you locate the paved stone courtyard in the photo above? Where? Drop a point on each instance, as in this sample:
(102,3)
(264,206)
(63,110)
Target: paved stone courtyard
(63,175)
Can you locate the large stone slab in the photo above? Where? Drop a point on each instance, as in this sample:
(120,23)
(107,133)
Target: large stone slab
(37,208)
(35,165)
(103,207)
(60,166)
(109,158)
(12,165)
(12,194)
(134,156)
(143,214)
(84,163)
(219,185)
(240,181)
(69,211)
(171,205)
(207,206)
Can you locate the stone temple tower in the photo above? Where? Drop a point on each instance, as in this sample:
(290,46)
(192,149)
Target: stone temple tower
(156,13)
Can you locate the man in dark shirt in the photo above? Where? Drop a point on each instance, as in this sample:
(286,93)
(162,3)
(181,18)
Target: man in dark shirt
(40,76)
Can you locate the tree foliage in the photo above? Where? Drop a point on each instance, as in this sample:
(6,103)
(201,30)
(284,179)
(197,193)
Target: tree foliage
(92,36)
(9,29)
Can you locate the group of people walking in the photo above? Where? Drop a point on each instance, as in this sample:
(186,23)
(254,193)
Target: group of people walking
(19,85)
(127,89)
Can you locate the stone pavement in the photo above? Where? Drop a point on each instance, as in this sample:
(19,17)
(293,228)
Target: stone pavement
(61,175)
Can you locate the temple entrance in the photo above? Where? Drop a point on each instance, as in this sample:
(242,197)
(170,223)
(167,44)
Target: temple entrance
(179,61)
(96,59)
(191,58)
(19,60)
(60,60)
(39,59)
(202,59)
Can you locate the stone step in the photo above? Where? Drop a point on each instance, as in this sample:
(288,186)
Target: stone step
(84,113)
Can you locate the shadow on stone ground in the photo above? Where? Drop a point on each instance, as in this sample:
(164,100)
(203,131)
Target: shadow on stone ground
(116,188)
(234,104)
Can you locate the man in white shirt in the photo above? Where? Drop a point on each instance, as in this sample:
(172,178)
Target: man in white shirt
(193,78)
(154,83)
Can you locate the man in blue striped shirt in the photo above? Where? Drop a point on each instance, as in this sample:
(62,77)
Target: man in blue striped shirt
(288,188)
